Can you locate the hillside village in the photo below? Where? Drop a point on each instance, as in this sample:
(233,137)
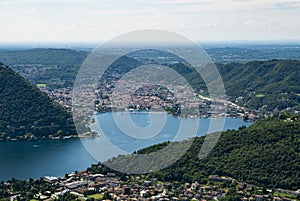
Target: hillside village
(85,185)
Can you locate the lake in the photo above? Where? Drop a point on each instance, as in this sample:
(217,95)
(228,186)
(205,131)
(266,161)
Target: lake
(25,159)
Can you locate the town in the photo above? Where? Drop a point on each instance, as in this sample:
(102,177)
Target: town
(156,98)
(90,185)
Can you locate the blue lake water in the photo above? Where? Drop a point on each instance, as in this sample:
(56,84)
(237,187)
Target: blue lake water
(25,159)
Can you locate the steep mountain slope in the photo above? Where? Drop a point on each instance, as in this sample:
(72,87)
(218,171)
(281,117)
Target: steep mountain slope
(27,112)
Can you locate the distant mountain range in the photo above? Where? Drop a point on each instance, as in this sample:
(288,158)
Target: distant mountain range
(58,67)
(246,53)
(43,56)
(26,112)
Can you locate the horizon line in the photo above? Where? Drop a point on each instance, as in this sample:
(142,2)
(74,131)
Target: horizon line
(196,41)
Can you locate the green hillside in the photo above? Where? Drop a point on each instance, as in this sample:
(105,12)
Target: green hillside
(270,84)
(26,112)
(267,154)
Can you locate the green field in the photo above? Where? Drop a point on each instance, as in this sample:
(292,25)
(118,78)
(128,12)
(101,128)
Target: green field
(260,95)
(96,196)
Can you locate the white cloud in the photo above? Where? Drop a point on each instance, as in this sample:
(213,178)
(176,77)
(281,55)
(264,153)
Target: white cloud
(223,5)
(183,1)
(103,19)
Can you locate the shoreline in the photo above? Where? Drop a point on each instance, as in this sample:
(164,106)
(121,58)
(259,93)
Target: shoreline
(92,134)
(52,139)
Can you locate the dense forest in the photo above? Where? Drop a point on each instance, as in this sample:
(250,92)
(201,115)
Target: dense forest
(267,154)
(273,85)
(25,112)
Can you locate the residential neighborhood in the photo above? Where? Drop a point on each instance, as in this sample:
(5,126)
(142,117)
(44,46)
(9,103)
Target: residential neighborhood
(85,185)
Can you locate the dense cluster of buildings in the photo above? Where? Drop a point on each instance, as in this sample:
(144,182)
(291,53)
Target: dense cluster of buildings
(84,185)
(156,98)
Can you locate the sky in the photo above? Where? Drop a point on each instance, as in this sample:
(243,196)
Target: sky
(101,20)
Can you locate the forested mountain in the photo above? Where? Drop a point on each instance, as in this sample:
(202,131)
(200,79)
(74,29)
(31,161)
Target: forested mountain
(270,85)
(26,112)
(267,154)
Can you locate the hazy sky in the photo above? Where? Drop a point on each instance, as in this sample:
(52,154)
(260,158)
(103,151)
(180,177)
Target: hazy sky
(99,20)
